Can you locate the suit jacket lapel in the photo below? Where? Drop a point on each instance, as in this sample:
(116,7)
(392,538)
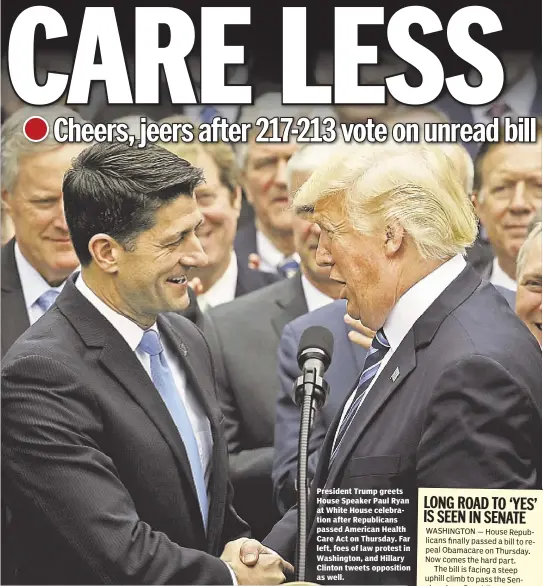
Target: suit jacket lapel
(292,303)
(401,363)
(14,314)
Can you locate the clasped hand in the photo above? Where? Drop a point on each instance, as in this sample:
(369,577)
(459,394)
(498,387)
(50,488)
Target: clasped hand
(253,563)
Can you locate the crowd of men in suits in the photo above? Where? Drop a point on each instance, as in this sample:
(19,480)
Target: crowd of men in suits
(93,424)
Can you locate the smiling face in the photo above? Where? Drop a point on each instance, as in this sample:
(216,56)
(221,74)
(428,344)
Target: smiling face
(152,276)
(510,195)
(528,298)
(36,209)
(220,209)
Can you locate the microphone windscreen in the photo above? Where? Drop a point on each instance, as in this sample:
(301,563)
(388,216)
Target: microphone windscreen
(316,337)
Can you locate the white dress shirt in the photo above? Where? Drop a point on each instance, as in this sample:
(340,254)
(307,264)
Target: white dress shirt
(411,305)
(500,277)
(33,285)
(224,290)
(518,97)
(270,255)
(314,298)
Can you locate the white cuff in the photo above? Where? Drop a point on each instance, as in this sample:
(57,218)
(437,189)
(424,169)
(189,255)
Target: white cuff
(234,579)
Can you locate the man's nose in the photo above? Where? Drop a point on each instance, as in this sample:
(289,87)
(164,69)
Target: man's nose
(194,256)
(323,256)
(520,200)
(281,175)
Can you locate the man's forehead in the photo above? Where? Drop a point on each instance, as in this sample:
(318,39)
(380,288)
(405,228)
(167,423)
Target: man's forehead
(513,156)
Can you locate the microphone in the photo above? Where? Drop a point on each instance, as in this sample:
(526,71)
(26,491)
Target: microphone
(314,357)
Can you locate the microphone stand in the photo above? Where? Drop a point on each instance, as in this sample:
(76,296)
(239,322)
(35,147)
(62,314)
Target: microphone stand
(310,392)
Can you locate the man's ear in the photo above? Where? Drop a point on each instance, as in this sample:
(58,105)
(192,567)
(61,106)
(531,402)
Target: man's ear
(6,201)
(236,199)
(105,252)
(394,237)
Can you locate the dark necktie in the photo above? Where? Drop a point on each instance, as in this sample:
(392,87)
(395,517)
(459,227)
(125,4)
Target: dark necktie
(288,267)
(376,353)
(165,384)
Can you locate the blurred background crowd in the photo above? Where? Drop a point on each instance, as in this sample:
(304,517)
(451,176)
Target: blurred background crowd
(262,286)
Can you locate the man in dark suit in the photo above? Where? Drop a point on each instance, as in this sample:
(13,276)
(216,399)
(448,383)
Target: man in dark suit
(39,258)
(264,180)
(37,261)
(244,336)
(114,466)
(347,362)
(450,394)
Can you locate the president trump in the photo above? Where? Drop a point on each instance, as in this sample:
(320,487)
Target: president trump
(450,392)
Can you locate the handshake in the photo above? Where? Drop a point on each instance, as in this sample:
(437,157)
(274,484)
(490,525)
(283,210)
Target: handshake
(253,563)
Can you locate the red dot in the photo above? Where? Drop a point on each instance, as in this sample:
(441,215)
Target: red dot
(36,128)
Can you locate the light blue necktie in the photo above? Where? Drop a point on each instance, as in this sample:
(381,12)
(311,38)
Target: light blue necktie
(47,299)
(164,382)
(208,114)
(376,353)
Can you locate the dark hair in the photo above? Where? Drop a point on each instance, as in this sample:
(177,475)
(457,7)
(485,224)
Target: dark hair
(116,189)
(487,147)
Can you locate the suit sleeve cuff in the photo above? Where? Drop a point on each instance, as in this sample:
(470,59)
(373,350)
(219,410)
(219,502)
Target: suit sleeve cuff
(234,579)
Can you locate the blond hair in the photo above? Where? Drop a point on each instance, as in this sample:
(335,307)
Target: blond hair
(310,157)
(416,185)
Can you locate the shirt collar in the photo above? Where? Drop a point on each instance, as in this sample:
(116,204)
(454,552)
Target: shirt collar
(224,289)
(270,256)
(129,330)
(32,283)
(314,298)
(414,302)
(500,277)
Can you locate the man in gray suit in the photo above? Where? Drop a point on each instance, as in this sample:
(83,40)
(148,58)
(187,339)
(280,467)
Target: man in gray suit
(244,336)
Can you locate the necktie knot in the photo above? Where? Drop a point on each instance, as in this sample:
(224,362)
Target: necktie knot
(150,343)
(380,341)
(47,299)
(208,114)
(288,267)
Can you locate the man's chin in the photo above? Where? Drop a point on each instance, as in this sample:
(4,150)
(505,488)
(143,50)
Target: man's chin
(352,310)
